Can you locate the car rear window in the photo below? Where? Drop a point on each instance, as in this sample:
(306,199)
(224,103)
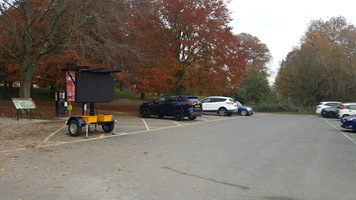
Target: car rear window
(193,99)
(353,107)
(219,100)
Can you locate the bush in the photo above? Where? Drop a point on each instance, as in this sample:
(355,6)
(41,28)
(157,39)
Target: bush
(240,96)
(275,103)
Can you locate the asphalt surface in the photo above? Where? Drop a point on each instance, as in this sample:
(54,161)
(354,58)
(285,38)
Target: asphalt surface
(263,157)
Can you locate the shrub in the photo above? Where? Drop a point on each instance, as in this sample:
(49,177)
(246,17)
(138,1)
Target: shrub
(276,103)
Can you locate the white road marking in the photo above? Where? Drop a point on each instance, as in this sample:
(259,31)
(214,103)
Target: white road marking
(177,123)
(49,137)
(148,128)
(353,141)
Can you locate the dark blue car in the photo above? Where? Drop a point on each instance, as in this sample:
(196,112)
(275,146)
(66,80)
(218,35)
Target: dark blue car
(244,110)
(177,106)
(349,122)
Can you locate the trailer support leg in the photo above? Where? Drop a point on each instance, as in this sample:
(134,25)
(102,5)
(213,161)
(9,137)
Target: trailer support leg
(86,130)
(114,131)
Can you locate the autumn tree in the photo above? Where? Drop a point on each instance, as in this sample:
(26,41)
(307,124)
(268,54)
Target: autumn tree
(32,29)
(200,50)
(258,54)
(254,85)
(161,46)
(323,68)
(187,46)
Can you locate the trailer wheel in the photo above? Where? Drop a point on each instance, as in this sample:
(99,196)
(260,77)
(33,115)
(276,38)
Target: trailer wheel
(73,128)
(108,127)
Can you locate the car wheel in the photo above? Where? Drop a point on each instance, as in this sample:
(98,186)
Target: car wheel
(323,113)
(331,115)
(146,113)
(243,112)
(222,111)
(73,128)
(108,127)
(178,115)
(192,117)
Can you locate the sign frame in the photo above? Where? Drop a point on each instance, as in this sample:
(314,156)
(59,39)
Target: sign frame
(24,104)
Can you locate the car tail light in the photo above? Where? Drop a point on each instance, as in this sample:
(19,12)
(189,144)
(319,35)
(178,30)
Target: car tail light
(229,102)
(190,103)
(342,107)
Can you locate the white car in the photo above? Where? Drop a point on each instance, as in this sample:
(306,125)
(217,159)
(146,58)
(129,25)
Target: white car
(347,109)
(224,106)
(325,104)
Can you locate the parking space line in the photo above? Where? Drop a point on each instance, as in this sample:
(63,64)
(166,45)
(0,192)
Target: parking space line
(148,128)
(353,141)
(49,137)
(131,126)
(177,123)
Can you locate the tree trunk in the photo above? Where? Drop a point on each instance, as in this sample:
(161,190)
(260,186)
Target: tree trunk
(26,83)
(143,95)
(6,90)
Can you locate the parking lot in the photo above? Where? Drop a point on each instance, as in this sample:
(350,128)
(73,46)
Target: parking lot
(265,156)
(138,125)
(135,125)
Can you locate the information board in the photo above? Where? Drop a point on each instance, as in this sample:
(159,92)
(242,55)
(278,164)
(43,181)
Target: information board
(24,103)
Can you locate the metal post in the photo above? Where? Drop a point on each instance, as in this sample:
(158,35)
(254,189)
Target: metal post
(92,110)
(86,130)
(83,104)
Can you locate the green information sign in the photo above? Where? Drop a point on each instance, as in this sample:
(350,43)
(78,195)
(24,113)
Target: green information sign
(24,103)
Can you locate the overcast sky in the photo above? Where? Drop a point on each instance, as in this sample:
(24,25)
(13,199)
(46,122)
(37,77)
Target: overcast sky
(281,23)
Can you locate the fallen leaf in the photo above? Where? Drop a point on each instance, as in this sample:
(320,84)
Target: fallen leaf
(108,189)
(19,176)
(145,153)
(58,186)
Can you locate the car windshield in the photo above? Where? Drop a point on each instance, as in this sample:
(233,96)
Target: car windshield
(161,99)
(238,103)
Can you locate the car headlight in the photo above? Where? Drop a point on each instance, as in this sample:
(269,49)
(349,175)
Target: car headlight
(249,109)
(350,119)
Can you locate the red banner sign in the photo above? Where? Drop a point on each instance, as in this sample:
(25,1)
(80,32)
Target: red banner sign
(70,86)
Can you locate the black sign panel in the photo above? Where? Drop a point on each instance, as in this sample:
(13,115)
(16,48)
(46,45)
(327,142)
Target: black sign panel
(94,87)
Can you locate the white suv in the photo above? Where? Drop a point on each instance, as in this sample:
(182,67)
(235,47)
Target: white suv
(322,105)
(347,109)
(224,106)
